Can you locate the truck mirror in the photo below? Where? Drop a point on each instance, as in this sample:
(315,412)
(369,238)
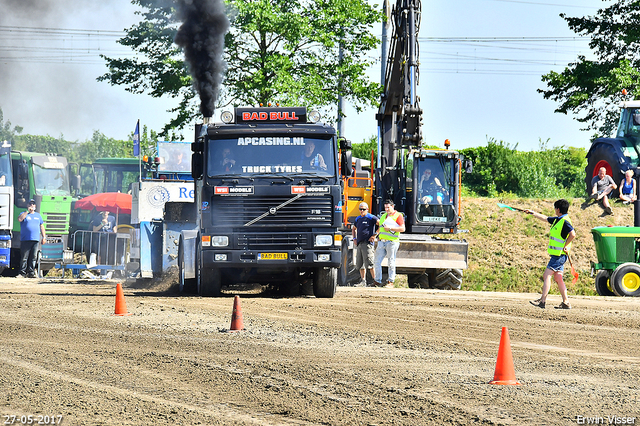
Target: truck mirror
(345,163)
(197,146)
(468,166)
(196,166)
(344,144)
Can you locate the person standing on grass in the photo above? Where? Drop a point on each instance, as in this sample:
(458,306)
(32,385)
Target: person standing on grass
(560,237)
(363,231)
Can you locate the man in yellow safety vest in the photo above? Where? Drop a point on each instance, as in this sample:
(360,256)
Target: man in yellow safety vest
(560,237)
(391,224)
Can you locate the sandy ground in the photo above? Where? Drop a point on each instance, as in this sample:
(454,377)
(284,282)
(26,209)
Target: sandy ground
(366,357)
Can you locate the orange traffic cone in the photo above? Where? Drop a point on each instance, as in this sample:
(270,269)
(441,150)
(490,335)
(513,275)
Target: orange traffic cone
(504,374)
(236,316)
(121,306)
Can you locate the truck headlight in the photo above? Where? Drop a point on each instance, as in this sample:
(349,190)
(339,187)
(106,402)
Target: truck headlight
(5,243)
(219,241)
(324,240)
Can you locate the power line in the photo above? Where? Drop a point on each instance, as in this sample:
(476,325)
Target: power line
(59,31)
(546,4)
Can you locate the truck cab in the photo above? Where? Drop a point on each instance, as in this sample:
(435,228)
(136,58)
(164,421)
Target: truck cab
(44,178)
(436,192)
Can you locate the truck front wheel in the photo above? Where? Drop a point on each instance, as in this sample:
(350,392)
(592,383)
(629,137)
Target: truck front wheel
(324,282)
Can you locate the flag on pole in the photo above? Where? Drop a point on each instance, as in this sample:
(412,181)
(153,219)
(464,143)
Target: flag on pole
(136,140)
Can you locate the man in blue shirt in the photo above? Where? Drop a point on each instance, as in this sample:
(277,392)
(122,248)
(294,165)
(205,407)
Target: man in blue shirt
(103,223)
(363,231)
(31,233)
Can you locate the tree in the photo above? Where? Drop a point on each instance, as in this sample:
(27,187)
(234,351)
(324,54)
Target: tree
(275,51)
(44,144)
(101,146)
(158,68)
(6,132)
(363,149)
(593,88)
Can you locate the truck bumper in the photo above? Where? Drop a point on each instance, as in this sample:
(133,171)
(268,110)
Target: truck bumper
(255,259)
(5,257)
(5,250)
(419,253)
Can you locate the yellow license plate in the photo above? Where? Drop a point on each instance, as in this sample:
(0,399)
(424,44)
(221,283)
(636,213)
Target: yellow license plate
(273,256)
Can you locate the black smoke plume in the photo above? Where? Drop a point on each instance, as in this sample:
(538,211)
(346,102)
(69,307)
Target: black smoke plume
(201,35)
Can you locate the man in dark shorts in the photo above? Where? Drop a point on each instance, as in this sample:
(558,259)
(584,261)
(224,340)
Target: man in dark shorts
(363,231)
(560,237)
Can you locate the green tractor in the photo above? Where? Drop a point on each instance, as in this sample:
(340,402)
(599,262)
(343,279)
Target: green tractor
(618,251)
(618,248)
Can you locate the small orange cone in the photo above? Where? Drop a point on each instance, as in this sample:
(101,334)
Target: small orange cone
(504,374)
(121,306)
(236,316)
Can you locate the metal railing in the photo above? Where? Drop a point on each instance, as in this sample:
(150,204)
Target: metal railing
(102,248)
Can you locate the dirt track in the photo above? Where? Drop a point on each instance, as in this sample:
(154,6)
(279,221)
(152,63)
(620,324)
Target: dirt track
(368,357)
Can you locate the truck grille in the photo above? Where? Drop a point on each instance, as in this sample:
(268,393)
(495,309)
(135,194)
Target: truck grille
(4,211)
(271,241)
(56,223)
(306,211)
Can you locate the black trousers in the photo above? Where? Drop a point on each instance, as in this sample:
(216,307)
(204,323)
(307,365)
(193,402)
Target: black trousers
(28,250)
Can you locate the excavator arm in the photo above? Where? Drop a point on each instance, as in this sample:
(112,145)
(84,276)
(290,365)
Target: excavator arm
(399,116)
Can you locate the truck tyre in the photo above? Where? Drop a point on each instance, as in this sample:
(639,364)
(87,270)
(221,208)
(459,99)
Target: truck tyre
(625,280)
(186,285)
(418,281)
(603,283)
(347,272)
(210,283)
(447,279)
(324,282)
(603,155)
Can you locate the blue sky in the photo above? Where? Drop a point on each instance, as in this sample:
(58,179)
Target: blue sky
(470,90)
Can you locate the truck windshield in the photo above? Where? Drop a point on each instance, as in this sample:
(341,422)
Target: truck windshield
(435,190)
(50,181)
(6,177)
(287,155)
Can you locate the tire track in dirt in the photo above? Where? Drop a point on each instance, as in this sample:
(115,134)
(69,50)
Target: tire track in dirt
(214,413)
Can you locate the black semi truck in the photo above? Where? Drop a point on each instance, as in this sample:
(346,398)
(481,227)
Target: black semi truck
(269,202)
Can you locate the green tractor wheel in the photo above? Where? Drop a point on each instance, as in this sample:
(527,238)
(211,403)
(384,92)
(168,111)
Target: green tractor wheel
(603,283)
(625,280)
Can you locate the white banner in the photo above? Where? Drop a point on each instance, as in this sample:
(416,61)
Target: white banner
(148,198)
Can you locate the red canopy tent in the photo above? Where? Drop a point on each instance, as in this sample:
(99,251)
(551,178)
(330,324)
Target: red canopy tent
(112,202)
